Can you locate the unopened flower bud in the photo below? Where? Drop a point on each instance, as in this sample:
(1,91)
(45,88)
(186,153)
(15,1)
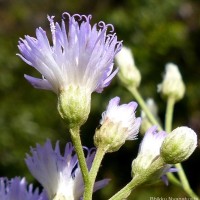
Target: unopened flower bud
(118,124)
(172,85)
(128,72)
(74,105)
(178,145)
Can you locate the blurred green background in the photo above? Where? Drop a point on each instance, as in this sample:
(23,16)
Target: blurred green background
(157,32)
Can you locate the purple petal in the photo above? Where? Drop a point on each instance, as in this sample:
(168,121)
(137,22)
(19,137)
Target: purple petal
(38,83)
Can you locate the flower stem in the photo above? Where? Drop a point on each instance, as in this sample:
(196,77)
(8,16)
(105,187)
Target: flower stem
(169,114)
(126,190)
(143,105)
(138,180)
(168,128)
(184,181)
(93,172)
(75,136)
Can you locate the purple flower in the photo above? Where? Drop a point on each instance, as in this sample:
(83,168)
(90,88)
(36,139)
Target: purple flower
(149,151)
(118,124)
(18,189)
(60,175)
(82,56)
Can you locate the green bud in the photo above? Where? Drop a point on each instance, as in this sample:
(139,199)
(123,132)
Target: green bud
(172,85)
(74,105)
(178,145)
(110,136)
(128,72)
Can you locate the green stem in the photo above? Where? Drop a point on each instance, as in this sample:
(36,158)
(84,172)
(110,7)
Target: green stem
(93,172)
(174,180)
(184,181)
(126,190)
(138,180)
(168,128)
(169,114)
(143,105)
(75,136)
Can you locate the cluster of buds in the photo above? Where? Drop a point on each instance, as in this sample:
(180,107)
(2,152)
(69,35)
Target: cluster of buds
(171,148)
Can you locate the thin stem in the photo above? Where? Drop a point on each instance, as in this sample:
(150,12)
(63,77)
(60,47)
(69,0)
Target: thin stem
(174,180)
(168,128)
(93,172)
(138,180)
(143,105)
(75,136)
(185,183)
(126,190)
(169,114)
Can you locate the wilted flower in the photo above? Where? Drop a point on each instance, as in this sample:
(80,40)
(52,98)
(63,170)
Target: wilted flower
(79,62)
(18,189)
(60,175)
(172,85)
(118,124)
(179,145)
(149,152)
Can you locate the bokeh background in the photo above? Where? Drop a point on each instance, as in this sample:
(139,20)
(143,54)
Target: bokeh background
(157,32)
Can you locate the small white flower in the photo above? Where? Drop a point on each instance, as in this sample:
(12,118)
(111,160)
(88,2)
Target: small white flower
(118,124)
(150,146)
(149,152)
(59,175)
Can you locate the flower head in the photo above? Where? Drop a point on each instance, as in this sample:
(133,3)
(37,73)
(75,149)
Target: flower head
(74,64)
(118,124)
(59,175)
(82,56)
(18,189)
(149,152)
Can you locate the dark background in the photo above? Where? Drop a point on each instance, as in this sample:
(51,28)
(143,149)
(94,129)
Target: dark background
(157,32)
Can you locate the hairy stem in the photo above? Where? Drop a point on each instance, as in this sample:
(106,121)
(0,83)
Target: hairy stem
(138,180)
(93,172)
(75,136)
